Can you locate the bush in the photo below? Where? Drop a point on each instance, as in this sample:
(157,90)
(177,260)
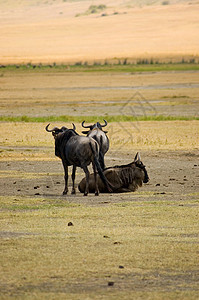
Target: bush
(93,9)
(101,7)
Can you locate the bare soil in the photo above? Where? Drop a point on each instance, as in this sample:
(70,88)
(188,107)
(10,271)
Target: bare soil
(173,175)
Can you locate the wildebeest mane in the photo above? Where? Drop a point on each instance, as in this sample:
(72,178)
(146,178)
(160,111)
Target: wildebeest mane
(66,135)
(131,174)
(127,176)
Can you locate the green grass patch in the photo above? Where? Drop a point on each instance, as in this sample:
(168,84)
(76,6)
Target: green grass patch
(121,66)
(93,119)
(16,203)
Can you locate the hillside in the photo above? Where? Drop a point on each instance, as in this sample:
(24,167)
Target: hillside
(69,31)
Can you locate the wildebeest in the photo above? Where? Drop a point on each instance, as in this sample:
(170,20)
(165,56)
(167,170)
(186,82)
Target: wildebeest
(97,133)
(78,151)
(124,178)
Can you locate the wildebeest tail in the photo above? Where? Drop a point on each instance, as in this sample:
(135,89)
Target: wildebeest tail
(101,156)
(101,160)
(100,172)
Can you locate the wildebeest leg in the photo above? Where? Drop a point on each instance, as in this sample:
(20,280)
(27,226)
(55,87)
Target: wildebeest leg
(87,180)
(73,180)
(96,180)
(65,177)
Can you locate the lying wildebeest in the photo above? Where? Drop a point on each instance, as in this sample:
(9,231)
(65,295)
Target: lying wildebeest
(125,178)
(98,134)
(78,151)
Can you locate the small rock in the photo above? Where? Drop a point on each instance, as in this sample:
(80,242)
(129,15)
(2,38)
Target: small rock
(106,237)
(110,283)
(36,194)
(121,267)
(70,224)
(36,187)
(158,184)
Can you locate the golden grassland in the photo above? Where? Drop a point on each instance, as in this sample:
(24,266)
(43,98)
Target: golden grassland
(21,141)
(50,32)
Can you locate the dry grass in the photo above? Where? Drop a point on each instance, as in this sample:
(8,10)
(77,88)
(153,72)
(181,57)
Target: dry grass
(44,257)
(31,141)
(175,135)
(50,31)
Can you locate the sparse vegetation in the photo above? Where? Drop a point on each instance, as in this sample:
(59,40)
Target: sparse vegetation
(93,9)
(91,119)
(117,65)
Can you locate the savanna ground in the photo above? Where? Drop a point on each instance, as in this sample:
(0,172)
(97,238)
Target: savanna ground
(141,245)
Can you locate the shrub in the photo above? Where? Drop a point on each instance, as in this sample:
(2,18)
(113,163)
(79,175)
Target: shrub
(95,9)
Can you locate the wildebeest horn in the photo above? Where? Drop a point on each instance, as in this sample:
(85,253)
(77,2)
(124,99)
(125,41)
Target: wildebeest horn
(51,130)
(85,126)
(137,157)
(74,127)
(105,123)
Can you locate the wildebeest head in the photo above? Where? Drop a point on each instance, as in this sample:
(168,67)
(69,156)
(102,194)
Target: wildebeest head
(55,131)
(139,164)
(61,136)
(91,127)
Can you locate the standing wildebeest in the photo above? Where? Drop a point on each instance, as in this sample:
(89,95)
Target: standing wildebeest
(125,178)
(78,151)
(98,134)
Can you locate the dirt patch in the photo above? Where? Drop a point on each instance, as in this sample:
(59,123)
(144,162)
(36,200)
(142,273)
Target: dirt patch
(173,175)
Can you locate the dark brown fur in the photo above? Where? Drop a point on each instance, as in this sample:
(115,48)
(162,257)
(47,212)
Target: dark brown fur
(124,178)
